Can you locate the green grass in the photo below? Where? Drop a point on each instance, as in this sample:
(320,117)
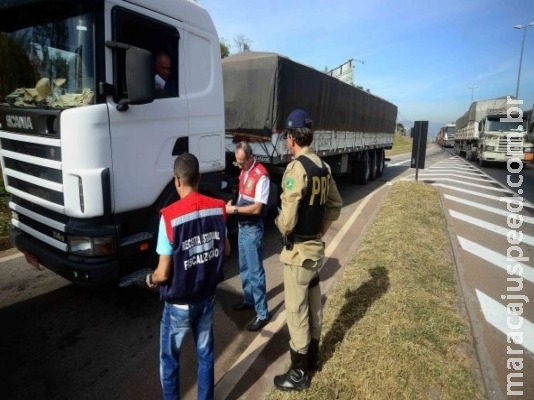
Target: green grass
(401,144)
(394,325)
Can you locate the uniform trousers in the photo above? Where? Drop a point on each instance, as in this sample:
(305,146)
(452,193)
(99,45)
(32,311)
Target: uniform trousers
(303,304)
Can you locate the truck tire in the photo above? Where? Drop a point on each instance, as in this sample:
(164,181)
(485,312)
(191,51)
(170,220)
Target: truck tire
(373,166)
(361,171)
(380,162)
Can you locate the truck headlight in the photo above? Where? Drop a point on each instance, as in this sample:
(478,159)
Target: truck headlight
(490,148)
(91,246)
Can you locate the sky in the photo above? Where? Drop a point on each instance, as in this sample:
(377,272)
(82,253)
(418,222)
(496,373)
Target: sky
(428,57)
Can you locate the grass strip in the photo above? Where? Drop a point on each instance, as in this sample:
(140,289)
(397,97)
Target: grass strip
(401,144)
(394,326)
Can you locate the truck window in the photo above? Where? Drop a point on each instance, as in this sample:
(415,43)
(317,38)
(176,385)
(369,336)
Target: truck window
(152,35)
(48,61)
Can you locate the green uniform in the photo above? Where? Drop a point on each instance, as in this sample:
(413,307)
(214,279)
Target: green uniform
(302,262)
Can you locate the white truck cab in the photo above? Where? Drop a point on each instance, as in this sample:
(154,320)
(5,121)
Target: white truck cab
(87,148)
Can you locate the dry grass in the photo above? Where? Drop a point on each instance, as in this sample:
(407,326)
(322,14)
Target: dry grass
(393,325)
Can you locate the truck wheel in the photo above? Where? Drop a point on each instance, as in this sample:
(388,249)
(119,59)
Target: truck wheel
(380,162)
(361,169)
(373,167)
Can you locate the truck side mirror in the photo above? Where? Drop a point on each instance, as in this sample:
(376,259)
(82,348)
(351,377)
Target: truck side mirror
(139,78)
(139,73)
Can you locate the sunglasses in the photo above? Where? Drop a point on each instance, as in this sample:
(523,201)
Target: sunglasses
(241,164)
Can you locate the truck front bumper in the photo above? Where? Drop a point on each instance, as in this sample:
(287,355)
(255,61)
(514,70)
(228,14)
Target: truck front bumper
(500,157)
(83,270)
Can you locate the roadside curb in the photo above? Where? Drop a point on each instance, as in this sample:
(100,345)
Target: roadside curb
(4,243)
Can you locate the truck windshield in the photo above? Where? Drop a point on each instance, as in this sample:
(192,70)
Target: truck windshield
(496,125)
(450,130)
(49,64)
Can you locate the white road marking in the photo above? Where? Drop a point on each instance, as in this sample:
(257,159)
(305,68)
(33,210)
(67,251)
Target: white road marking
(458,168)
(486,196)
(485,187)
(399,163)
(11,257)
(488,226)
(496,314)
(480,206)
(495,258)
(479,178)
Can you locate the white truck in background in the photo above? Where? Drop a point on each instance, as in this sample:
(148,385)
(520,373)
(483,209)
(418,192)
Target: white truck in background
(445,137)
(492,130)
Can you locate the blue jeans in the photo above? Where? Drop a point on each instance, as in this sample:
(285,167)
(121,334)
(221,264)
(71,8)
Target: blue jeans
(251,266)
(176,322)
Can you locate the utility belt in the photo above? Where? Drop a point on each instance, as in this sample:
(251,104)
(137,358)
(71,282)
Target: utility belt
(289,240)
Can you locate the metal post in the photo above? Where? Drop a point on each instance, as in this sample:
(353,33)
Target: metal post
(520,61)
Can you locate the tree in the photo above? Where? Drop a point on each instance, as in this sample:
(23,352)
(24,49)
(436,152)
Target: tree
(242,43)
(225,48)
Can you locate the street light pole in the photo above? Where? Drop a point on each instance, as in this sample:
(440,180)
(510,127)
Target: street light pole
(531,24)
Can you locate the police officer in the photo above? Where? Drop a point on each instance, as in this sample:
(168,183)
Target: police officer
(310,202)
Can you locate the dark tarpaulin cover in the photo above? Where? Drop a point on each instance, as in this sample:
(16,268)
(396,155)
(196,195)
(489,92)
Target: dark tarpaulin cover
(261,89)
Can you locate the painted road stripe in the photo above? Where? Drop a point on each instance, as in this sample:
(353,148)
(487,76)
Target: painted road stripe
(465,176)
(480,206)
(399,163)
(11,257)
(495,258)
(488,226)
(485,187)
(486,196)
(459,168)
(496,314)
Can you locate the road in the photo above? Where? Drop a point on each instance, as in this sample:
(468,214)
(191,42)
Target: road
(62,342)
(491,225)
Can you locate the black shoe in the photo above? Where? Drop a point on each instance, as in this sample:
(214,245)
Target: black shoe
(242,306)
(297,376)
(256,324)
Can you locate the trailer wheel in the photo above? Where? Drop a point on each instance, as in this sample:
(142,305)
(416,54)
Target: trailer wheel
(373,165)
(361,170)
(380,162)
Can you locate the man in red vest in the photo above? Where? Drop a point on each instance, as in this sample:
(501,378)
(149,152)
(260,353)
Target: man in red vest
(253,197)
(191,245)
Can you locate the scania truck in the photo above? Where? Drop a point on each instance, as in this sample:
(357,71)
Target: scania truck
(87,148)
(493,130)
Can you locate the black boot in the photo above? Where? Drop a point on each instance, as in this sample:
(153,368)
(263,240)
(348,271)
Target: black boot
(314,362)
(297,377)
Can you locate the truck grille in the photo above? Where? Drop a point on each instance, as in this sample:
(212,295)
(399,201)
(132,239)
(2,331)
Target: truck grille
(33,177)
(512,146)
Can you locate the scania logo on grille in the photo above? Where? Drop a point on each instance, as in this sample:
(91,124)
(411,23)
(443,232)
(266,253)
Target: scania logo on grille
(19,121)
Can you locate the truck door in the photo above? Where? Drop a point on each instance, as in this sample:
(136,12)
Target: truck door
(144,137)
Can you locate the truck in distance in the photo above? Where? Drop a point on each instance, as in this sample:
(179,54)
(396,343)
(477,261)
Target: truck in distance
(489,133)
(445,136)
